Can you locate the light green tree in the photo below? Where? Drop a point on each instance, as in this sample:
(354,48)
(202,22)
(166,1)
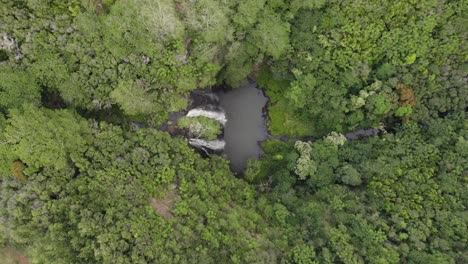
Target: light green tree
(349,175)
(271,35)
(17,87)
(305,166)
(336,139)
(201,127)
(45,138)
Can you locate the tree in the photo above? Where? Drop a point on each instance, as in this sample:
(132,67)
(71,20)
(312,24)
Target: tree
(201,127)
(336,139)
(161,19)
(349,175)
(134,99)
(17,87)
(45,138)
(74,190)
(305,167)
(271,35)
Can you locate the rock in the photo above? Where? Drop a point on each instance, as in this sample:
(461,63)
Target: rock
(7,43)
(146,59)
(53,27)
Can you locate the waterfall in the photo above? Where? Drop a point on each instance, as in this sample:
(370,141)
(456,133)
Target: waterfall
(206,104)
(216,145)
(217,115)
(203,99)
(212,97)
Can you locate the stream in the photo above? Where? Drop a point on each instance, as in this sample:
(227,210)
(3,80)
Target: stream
(242,115)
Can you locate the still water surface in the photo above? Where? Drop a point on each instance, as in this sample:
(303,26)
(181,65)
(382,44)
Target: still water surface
(245,125)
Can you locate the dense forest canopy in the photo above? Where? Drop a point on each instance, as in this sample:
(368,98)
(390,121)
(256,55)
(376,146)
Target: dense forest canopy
(81,183)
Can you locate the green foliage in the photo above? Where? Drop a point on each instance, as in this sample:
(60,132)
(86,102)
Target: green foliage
(410,59)
(77,189)
(247,12)
(45,138)
(305,167)
(283,120)
(349,175)
(134,97)
(303,254)
(161,19)
(388,200)
(271,35)
(209,20)
(253,170)
(338,50)
(98,208)
(201,127)
(49,70)
(16,88)
(45,7)
(403,111)
(336,139)
(3,55)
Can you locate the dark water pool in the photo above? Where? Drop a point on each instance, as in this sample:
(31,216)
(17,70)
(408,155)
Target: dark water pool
(245,125)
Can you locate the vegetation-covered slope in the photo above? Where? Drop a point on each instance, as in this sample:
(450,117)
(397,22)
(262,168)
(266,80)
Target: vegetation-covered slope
(80,184)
